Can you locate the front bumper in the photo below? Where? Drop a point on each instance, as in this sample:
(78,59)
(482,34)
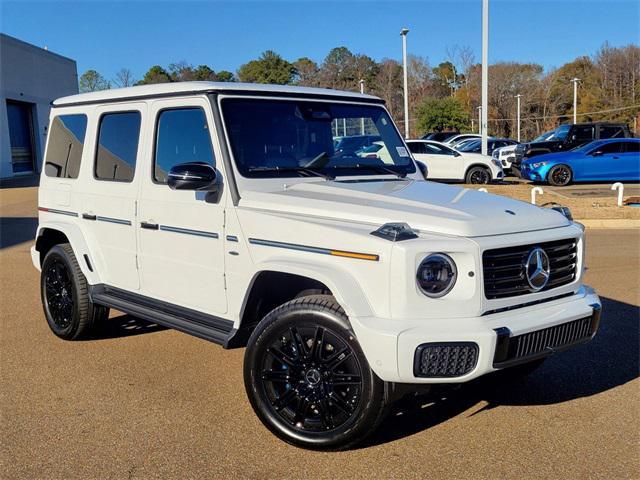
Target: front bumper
(391,346)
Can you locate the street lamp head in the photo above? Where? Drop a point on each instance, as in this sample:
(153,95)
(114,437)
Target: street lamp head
(404,31)
(575,80)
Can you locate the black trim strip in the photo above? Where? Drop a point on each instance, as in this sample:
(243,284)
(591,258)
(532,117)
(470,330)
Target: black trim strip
(188,231)
(323,251)
(252,93)
(232,238)
(113,220)
(59,212)
(193,322)
(528,304)
(87,216)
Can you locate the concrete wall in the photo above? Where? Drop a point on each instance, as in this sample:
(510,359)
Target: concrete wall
(34,75)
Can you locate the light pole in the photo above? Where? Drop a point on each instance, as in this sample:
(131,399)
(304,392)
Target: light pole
(479,119)
(361,119)
(575,99)
(518,120)
(403,34)
(485,74)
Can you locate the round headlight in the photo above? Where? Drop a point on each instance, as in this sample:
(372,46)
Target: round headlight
(436,275)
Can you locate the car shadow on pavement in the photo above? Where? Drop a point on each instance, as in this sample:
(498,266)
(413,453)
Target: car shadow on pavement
(611,359)
(16,230)
(123,326)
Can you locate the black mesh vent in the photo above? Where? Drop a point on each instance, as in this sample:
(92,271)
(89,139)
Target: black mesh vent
(451,359)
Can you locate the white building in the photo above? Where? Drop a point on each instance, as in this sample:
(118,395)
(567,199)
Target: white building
(30,79)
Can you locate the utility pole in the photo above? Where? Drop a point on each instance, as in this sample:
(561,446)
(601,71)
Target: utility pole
(485,74)
(361,119)
(479,119)
(575,99)
(403,34)
(518,120)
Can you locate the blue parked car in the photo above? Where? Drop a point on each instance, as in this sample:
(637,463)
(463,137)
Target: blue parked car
(602,160)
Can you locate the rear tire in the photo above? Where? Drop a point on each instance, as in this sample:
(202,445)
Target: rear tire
(478,175)
(560,175)
(65,297)
(307,378)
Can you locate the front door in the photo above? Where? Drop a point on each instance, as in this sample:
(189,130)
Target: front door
(181,233)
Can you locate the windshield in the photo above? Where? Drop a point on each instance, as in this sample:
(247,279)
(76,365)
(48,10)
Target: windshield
(291,138)
(559,133)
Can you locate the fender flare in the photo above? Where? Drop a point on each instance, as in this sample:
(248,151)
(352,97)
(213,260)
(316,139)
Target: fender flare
(342,284)
(78,244)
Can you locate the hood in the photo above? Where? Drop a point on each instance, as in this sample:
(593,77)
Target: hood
(528,146)
(426,206)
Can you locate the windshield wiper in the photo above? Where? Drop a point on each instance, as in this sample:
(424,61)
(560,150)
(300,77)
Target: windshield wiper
(382,168)
(307,170)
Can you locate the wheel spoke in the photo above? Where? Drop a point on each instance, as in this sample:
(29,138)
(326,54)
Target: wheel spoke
(336,359)
(346,379)
(296,338)
(285,399)
(301,411)
(281,356)
(281,376)
(325,414)
(318,341)
(346,407)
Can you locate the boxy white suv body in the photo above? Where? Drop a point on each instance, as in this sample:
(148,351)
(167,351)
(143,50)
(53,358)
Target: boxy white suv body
(223,211)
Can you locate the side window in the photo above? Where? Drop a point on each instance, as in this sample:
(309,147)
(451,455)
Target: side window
(582,133)
(66,141)
(118,136)
(613,147)
(416,147)
(182,135)
(432,149)
(611,132)
(633,147)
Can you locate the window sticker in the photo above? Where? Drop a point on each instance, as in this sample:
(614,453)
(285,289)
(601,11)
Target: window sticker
(402,151)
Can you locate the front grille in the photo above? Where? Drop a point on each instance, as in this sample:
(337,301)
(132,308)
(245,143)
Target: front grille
(448,359)
(504,268)
(540,342)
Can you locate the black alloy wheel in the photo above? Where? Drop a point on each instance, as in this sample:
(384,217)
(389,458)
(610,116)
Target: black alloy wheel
(560,175)
(59,294)
(308,379)
(478,175)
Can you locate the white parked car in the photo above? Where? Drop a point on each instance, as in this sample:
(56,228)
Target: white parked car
(222,210)
(505,155)
(446,163)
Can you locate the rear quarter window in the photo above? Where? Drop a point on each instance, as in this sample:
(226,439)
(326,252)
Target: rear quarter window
(66,142)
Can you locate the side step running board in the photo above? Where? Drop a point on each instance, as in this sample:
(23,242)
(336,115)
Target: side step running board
(208,327)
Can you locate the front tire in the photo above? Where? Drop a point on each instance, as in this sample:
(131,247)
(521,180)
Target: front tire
(65,297)
(478,175)
(307,378)
(560,176)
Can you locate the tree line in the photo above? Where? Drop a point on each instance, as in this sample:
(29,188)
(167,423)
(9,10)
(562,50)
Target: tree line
(445,96)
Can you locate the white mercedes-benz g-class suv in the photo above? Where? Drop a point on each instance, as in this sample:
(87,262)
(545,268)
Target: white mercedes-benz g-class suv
(223,210)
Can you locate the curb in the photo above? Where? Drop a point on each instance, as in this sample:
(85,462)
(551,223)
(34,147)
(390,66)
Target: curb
(610,223)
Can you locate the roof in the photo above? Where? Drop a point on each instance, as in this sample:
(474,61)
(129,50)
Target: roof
(42,51)
(191,88)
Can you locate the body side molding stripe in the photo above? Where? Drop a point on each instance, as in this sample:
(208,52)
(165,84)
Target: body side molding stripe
(323,251)
(113,220)
(60,212)
(188,231)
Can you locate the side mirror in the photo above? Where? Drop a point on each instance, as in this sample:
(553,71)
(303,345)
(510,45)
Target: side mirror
(423,168)
(193,176)
(456,153)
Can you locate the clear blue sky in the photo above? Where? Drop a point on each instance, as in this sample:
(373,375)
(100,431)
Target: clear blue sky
(107,36)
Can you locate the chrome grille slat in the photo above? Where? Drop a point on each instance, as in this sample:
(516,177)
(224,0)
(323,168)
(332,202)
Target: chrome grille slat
(504,270)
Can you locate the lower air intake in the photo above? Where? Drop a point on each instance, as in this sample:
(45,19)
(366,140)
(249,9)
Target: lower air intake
(450,359)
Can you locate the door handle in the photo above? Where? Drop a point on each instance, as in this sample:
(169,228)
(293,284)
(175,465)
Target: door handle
(88,216)
(149,226)
(615,158)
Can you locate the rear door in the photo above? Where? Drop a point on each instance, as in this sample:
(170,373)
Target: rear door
(630,161)
(108,196)
(181,233)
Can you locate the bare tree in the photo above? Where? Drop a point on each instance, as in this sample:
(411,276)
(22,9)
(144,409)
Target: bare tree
(124,78)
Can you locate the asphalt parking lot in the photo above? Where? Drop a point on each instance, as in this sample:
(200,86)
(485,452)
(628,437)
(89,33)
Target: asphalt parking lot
(138,401)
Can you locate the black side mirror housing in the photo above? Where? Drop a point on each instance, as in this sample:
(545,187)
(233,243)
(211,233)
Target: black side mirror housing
(423,168)
(456,154)
(193,176)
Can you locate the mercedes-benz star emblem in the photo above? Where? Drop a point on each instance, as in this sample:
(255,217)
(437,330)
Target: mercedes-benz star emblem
(537,269)
(313,376)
